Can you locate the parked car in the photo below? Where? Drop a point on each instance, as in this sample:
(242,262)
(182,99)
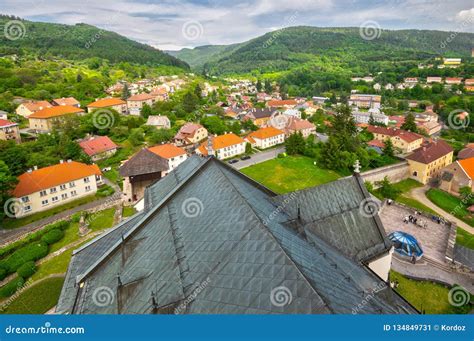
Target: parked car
(245,157)
(233,161)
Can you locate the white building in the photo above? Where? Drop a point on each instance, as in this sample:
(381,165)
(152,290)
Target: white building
(224,146)
(266,137)
(363,117)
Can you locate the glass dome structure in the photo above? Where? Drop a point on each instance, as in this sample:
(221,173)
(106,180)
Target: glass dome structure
(406,245)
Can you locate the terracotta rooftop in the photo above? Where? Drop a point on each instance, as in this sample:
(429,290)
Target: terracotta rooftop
(66,101)
(299,124)
(167,151)
(430,152)
(468,166)
(106,102)
(97,145)
(407,136)
(140,97)
(37,105)
(281,103)
(52,176)
(265,133)
(6,123)
(56,111)
(222,141)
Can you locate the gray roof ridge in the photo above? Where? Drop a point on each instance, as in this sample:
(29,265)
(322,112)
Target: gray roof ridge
(147,216)
(267,231)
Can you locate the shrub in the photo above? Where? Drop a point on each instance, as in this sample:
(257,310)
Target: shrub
(52,236)
(105,191)
(30,252)
(3,274)
(11,287)
(76,217)
(27,269)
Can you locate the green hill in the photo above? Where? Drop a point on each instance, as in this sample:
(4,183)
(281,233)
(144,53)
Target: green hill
(78,42)
(290,47)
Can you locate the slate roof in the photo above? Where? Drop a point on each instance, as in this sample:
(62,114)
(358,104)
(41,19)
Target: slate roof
(208,227)
(144,162)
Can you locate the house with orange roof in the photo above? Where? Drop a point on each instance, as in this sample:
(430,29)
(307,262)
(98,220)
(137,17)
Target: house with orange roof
(27,108)
(42,189)
(135,103)
(426,162)
(66,101)
(190,133)
(160,94)
(175,155)
(116,104)
(266,137)
(43,121)
(284,103)
(404,141)
(469,81)
(297,125)
(9,131)
(457,175)
(98,147)
(223,146)
(453,80)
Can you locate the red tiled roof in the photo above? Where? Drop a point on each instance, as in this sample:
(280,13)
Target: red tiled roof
(56,111)
(6,123)
(106,102)
(37,105)
(430,152)
(281,103)
(265,133)
(407,136)
(140,97)
(299,124)
(52,176)
(376,143)
(222,141)
(66,101)
(167,151)
(97,145)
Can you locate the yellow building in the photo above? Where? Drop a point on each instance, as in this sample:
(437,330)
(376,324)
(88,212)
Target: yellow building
(427,161)
(44,120)
(405,141)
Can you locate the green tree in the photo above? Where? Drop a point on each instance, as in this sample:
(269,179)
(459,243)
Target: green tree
(295,144)
(268,86)
(248,148)
(387,189)
(409,124)
(125,92)
(136,137)
(214,125)
(198,91)
(388,149)
(371,120)
(7,183)
(190,102)
(146,111)
(259,85)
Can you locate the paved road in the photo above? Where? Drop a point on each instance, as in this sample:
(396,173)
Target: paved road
(419,194)
(259,157)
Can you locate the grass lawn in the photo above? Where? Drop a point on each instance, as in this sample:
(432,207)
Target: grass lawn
(464,238)
(289,174)
(102,220)
(431,297)
(37,299)
(14,223)
(71,234)
(450,204)
(128,211)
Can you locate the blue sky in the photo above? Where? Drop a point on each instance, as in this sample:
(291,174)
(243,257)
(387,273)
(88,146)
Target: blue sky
(187,23)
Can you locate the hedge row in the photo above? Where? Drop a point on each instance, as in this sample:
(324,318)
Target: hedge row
(27,270)
(7,250)
(53,236)
(31,252)
(11,287)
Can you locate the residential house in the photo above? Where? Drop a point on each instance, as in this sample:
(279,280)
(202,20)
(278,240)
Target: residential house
(389,86)
(160,94)
(405,141)
(266,137)
(223,146)
(364,117)
(292,113)
(396,121)
(427,161)
(189,134)
(135,103)
(98,147)
(263,97)
(160,122)
(27,108)
(413,104)
(365,101)
(67,101)
(173,154)
(3,115)
(260,117)
(434,79)
(430,128)
(452,62)
(116,104)
(457,175)
(208,229)
(42,189)
(115,89)
(9,131)
(469,81)
(453,80)
(466,153)
(320,100)
(44,120)
(296,125)
(377,87)
(376,145)
(410,81)
(284,103)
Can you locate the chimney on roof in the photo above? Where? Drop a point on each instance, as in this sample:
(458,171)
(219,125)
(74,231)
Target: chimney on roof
(61,161)
(29,170)
(35,167)
(69,161)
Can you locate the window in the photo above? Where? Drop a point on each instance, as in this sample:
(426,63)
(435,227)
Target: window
(63,187)
(25,199)
(88,188)
(27,208)
(44,202)
(54,199)
(73,193)
(86,180)
(52,190)
(64,196)
(42,193)
(72,184)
